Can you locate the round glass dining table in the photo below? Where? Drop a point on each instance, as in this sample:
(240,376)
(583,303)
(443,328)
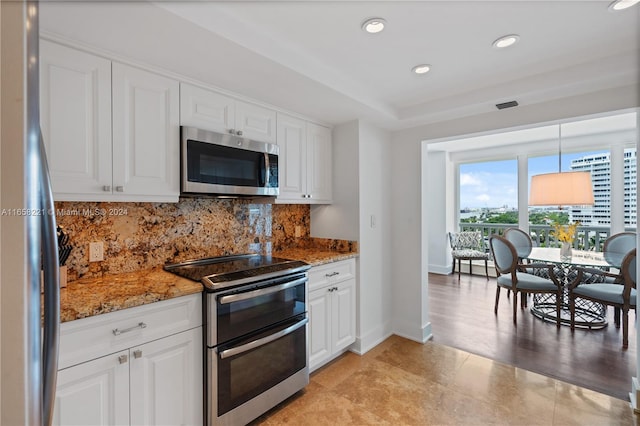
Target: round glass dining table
(589,314)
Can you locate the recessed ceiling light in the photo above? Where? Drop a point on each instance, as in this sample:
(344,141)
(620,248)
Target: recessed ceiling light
(622,4)
(421,69)
(506,41)
(373,25)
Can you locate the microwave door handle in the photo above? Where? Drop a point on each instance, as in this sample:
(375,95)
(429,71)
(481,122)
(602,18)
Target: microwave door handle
(263,341)
(267,170)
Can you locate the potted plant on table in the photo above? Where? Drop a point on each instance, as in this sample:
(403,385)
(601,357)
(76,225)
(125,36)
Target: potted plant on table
(565,234)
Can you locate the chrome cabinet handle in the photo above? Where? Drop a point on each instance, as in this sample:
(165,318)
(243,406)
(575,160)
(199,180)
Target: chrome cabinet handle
(106,188)
(122,359)
(117,331)
(137,353)
(333,274)
(119,188)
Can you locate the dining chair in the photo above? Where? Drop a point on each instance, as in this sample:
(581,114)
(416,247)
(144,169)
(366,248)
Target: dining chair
(523,244)
(521,241)
(609,289)
(468,245)
(615,247)
(512,275)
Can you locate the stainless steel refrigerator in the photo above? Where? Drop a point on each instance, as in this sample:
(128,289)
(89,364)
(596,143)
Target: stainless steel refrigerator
(28,245)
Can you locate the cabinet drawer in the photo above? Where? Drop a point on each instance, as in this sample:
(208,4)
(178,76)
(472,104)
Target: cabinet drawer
(331,273)
(89,338)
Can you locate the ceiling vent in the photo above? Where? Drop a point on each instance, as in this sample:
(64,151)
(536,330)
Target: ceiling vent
(509,104)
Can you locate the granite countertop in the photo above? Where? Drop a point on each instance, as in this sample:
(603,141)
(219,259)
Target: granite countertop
(87,297)
(94,296)
(314,256)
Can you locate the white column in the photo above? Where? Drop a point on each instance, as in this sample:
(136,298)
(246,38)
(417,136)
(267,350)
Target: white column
(616,168)
(523,193)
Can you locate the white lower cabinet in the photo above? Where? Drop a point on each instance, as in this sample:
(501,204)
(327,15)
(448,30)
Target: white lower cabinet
(94,393)
(149,383)
(332,311)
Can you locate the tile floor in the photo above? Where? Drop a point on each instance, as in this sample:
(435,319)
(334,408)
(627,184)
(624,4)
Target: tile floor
(401,382)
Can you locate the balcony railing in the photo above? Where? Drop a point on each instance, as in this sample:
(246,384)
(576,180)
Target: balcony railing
(588,238)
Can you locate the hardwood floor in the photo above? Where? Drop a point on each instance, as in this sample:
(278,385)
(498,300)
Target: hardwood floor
(462,317)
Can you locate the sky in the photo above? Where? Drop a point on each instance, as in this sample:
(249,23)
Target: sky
(495,184)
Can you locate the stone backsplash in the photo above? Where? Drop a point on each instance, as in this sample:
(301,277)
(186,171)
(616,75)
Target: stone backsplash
(146,235)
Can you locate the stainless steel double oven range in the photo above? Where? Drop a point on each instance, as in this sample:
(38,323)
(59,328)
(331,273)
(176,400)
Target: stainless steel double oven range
(255,334)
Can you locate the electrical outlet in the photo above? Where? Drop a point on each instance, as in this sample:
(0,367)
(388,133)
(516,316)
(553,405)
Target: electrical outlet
(96,252)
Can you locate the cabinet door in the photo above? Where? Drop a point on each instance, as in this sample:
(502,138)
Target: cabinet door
(319,164)
(167,380)
(146,134)
(75,115)
(205,109)
(292,159)
(319,327)
(256,122)
(343,313)
(94,393)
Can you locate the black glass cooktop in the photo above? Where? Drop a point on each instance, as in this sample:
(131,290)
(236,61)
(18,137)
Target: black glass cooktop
(226,271)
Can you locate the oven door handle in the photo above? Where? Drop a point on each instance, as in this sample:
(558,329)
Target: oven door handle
(263,341)
(223,300)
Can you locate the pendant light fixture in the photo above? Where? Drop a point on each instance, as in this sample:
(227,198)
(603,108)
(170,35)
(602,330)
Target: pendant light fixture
(562,188)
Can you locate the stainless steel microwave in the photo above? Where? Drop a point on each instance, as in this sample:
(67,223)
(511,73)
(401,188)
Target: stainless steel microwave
(222,164)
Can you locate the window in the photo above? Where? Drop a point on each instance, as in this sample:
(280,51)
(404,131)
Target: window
(489,192)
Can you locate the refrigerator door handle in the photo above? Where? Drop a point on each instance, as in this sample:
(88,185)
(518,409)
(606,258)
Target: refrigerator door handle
(50,263)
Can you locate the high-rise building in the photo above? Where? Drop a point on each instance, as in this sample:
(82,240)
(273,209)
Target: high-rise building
(600,167)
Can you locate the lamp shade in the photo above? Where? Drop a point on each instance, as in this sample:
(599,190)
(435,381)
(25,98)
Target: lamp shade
(561,189)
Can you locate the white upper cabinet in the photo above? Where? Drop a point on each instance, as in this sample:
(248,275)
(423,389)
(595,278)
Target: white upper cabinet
(208,110)
(111,131)
(75,117)
(319,163)
(304,161)
(146,133)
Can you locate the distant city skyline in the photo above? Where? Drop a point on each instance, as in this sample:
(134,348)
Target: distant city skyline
(494,184)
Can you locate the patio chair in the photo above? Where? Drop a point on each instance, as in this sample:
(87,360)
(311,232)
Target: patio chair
(513,276)
(468,245)
(609,289)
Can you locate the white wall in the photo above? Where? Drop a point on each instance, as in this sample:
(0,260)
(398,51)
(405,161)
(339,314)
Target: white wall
(375,290)
(361,190)
(439,191)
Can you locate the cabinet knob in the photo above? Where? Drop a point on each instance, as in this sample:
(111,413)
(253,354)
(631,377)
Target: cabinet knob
(119,188)
(232,131)
(304,195)
(137,353)
(106,188)
(308,195)
(122,359)
(239,133)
